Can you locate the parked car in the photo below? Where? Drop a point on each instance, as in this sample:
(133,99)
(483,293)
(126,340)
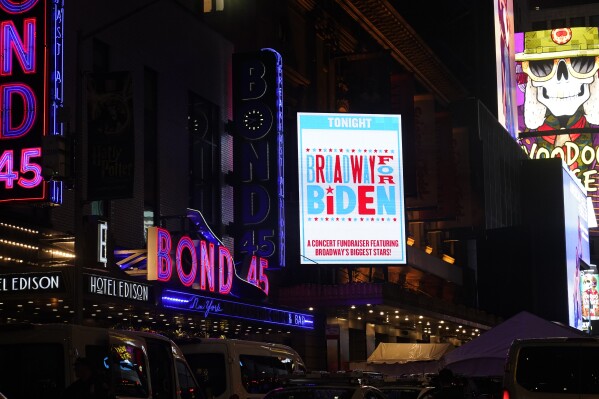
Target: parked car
(335,385)
(228,368)
(37,362)
(326,391)
(394,391)
(552,368)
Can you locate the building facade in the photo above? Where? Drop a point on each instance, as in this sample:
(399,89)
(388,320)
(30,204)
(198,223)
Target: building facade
(180,206)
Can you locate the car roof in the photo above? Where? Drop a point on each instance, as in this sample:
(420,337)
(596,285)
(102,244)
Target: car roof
(322,387)
(556,340)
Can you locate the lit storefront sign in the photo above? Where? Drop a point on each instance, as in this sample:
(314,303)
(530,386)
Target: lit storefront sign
(205,265)
(211,266)
(351,189)
(124,289)
(30,96)
(32,282)
(209,306)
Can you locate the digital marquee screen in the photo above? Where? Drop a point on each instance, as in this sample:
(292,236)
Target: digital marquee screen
(351,191)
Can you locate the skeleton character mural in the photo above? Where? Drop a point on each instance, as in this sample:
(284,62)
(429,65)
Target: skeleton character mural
(559,77)
(558,99)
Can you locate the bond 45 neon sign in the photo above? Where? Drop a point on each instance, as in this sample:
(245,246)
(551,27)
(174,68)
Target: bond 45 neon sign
(204,264)
(30,95)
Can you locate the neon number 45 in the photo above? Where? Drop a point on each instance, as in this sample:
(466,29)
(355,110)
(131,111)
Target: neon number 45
(256,274)
(8,175)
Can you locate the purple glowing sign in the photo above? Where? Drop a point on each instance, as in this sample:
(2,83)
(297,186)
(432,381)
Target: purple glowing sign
(209,306)
(31,93)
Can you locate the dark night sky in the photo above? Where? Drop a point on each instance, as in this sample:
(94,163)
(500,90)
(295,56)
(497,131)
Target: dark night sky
(452,21)
(556,3)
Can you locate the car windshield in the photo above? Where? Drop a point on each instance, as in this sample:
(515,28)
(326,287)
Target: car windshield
(560,369)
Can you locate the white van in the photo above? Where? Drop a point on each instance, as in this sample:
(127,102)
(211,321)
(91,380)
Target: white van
(552,368)
(36,361)
(238,369)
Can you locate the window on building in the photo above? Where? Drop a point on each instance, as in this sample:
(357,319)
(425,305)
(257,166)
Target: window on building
(558,23)
(577,21)
(539,25)
(100,56)
(357,345)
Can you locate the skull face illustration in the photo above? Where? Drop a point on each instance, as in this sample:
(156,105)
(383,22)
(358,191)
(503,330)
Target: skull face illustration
(565,91)
(560,69)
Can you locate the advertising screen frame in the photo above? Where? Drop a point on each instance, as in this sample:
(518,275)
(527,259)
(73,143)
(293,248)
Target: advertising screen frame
(351,195)
(546,127)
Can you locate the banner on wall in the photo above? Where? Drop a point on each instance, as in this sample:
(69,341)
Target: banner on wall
(111,150)
(351,195)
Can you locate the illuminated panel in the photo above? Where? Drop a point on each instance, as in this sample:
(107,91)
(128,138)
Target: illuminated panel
(504,59)
(590,295)
(558,92)
(351,189)
(32,283)
(259,227)
(118,288)
(209,306)
(577,242)
(557,79)
(204,272)
(30,96)
(160,264)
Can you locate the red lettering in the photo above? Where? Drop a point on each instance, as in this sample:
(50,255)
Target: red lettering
(386,179)
(384,158)
(330,207)
(337,178)
(364,200)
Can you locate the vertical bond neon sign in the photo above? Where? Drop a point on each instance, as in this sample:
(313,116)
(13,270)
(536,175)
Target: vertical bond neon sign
(31,90)
(258,160)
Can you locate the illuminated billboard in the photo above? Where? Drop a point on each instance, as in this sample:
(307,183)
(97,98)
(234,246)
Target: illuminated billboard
(555,215)
(504,60)
(351,195)
(577,242)
(589,295)
(558,99)
(30,96)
